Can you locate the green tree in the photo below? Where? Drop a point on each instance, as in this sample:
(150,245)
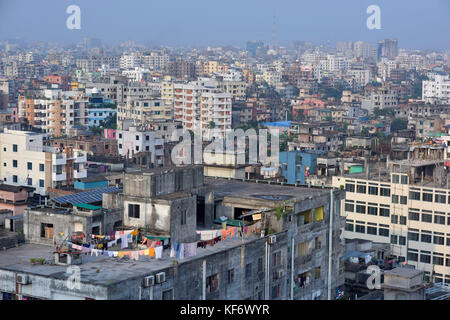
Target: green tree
(399,124)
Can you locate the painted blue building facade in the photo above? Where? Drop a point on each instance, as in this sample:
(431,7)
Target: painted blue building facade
(90,183)
(295,165)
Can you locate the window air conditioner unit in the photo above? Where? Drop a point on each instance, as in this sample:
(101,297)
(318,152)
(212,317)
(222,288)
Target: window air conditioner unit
(272,239)
(23,279)
(149,281)
(160,277)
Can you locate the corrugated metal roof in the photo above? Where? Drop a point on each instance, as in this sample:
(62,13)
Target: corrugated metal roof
(91,196)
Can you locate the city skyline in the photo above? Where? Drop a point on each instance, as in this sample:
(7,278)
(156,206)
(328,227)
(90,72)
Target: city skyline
(202,24)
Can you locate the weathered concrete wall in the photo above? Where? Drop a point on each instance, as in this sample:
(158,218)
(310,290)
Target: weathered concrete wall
(50,288)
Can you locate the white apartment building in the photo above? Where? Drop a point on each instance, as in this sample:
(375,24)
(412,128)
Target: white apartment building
(155,61)
(200,103)
(364,50)
(129,61)
(137,74)
(437,89)
(136,140)
(333,63)
(360,77)
(414,219)
(25,161)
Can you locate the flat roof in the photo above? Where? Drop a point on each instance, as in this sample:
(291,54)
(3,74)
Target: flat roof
(86,206)
(261,190)
(115,270)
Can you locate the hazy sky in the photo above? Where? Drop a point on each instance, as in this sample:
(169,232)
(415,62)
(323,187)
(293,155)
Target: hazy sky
(418,24)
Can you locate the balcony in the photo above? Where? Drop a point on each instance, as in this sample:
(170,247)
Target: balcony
(79,174)
(58,176)
(80,157)
(59,159)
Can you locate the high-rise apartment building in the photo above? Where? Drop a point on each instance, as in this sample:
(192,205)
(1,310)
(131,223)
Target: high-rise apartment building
(201,105)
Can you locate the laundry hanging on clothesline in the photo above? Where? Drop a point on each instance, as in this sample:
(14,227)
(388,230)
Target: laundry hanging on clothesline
(152,252)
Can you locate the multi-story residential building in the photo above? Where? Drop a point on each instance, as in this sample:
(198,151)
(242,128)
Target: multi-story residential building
(437,89)
(296,256)
(119,91)
(54,112)
(155,60)
(425,126)
(201,105)
(27,162)
(380,97)
(364,50)
(135,140)
(130,61)
(143,111)
(402,208)
(387,48)
(137,74)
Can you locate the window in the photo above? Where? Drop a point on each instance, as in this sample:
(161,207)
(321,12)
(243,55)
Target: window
(425,236)
(439,198)
(15,163)
(41,183)
(276,291)
(383,231)
(349,187)
(384,212)
(425,257)
(137,138)
(47,230)
(120,136)
(371,230)
(349,227)
(403,220)
(360,208)
(427,197)
(14,147)
(41,167)
(361,189)
(394,239)
(395,178)
(30,181)
(373,190)
(438,259)
(29,165)
(147,138)
(372,210)
(349,207)
(260,264)
(212,283)
(15,178)
(167,295)
(183,216)
(394,218)
(230,276)
(403,199)
(360,228)
(404,179)
(413,215)
(439,219)
(133,211)
(438,238)
(414,195)
(276,259)
(317,272)
(413,235)
(248,270)
(427,217)
(394,198)
(385,192)
(120,146)
(412,255)
(402,240)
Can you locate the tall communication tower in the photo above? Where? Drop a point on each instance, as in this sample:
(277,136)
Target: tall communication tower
(274,44)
